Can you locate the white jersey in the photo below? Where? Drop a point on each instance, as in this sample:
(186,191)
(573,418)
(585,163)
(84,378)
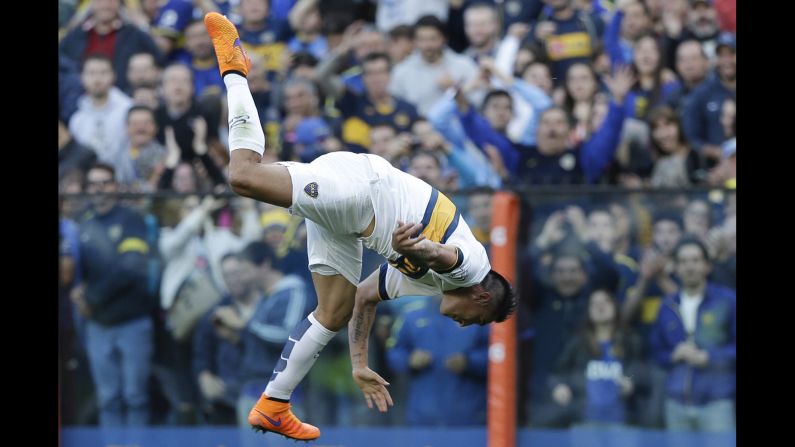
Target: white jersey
(340,192)
(399,196)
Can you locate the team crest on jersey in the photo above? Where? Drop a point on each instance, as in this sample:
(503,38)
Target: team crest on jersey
(311,190)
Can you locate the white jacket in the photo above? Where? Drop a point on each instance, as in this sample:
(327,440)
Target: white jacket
(103,129)
(179,247)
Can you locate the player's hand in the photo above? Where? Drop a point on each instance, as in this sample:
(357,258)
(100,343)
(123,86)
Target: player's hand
(405,244)
(373,387)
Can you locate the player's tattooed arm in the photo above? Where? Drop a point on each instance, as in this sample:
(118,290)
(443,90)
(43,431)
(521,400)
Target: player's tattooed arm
(421,251)
(372,385)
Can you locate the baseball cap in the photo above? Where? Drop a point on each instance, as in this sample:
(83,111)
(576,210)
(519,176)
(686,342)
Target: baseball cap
(726,39)
(311,130)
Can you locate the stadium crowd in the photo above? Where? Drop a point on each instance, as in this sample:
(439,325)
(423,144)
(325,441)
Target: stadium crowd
(175,302)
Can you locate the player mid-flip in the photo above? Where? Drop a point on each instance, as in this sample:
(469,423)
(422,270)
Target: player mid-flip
(349,201)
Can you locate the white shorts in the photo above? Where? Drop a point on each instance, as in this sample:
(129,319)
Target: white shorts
(333,194)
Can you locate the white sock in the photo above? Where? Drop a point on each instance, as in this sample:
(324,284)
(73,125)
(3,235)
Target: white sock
(303,346)
(245,130)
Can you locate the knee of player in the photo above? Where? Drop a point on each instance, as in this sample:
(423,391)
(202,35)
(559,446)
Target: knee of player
(333,319)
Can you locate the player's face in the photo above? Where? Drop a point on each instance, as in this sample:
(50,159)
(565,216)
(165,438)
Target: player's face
(465,310)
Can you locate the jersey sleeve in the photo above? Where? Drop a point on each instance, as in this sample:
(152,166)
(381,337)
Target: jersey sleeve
(393,284)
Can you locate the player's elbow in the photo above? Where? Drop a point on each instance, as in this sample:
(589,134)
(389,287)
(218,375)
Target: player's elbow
(367,295)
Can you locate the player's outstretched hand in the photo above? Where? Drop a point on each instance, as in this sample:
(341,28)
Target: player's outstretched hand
(373,387)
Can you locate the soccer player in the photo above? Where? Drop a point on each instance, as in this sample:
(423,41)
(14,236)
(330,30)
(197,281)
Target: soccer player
(350,200)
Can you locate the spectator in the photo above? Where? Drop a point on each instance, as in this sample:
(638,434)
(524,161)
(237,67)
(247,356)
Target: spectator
(142,71)
(217,349)
(696,219)
(654,81)
(700,22)
(195,128)
(312,139)
(692,66)
(600,232)
(579,94)
(147,97)
(99,120)
(426,166)
(568,35)
(105,32)
(200,58)
(722,243)
(390,13)
(400,44)
(694,340)
(306,21)
(175,16)
(385,143)
(285,301)
(598,371)
(656,273)
(70,87)
(701,116)
(422,78)
(482,27)
(301,101)
(677,165)
(71,154)
(375,106)
(114,299)
(261,34)
(631,21)
(479,208)
(552,160)
(139,167)
(560,290)
(443,361)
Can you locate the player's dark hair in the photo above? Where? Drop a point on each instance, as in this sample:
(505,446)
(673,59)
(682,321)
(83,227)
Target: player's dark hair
(502,293)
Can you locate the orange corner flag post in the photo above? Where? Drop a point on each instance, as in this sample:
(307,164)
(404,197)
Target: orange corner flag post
(502,344)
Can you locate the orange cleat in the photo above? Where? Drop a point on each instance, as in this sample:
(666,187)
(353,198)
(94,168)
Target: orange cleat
(228,49)
(270,415)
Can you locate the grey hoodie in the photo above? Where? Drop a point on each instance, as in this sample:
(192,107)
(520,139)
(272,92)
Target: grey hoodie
(103,129)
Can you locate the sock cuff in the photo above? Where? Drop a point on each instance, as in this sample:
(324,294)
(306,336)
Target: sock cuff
(320,327)
(232,79)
